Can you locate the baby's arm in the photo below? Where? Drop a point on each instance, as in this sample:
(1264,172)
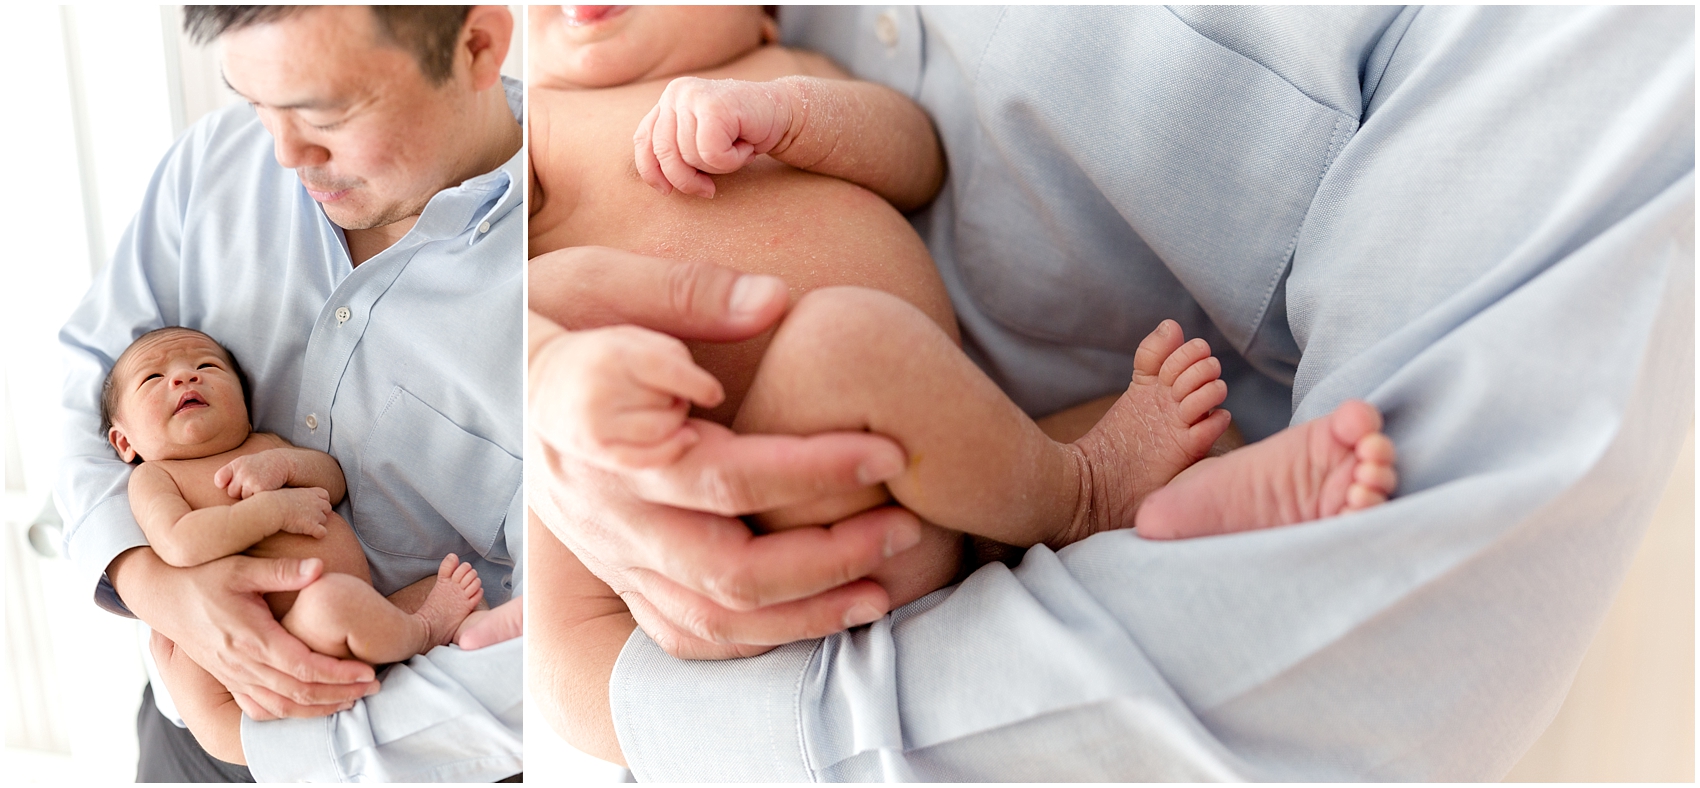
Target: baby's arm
(635,411)
(190,537)
(862,132)
(283,466)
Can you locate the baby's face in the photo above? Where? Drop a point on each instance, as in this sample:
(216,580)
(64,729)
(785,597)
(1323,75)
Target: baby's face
(178,398)
(598,46)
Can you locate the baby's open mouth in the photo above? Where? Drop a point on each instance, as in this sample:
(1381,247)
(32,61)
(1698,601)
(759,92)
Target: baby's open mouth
(190,400)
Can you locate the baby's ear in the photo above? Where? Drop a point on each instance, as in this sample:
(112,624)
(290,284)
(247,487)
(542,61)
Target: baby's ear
(115,436)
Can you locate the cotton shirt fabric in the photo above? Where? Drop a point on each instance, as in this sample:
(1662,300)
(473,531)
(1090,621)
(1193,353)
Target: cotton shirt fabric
(1478,219)
(409,369)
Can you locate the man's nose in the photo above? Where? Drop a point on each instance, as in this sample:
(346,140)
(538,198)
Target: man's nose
(294,151)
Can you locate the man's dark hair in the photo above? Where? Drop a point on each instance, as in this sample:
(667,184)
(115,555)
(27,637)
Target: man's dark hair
(109,389)
(430,32)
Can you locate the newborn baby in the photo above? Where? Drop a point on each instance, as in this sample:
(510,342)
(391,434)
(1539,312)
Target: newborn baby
(773,161)
(208,487)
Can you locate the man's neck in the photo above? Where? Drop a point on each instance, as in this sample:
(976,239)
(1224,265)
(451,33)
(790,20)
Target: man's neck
(500,140)
(365,244)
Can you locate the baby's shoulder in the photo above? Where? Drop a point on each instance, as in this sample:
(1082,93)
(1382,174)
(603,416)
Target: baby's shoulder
(773,62)
(261,441)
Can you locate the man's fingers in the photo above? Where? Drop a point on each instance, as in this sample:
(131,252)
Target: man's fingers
(264,705)
(743,474)
(266,575)
(818,616)
(589,287)
(722,561)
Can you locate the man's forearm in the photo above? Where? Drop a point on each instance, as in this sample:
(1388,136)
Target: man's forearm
(864,133)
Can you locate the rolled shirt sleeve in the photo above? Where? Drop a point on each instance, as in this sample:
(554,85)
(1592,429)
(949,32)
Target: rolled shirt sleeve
(1499,256)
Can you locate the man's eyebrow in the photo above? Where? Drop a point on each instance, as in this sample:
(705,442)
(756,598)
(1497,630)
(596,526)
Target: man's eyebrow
(309,104)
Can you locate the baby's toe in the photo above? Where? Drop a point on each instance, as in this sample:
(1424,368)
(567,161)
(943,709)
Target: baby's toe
(1353,421)
(1184,357)
(1375,476)
(1207,369)
(1200,402)
(1157,346)
(1360,497)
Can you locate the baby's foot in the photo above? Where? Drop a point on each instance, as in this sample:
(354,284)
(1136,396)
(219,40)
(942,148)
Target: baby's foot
(455,595)
(1165,421)
(1336,464)
(489,627)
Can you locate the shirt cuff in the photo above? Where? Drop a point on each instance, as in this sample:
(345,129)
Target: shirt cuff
(105,532)
(665,714)
(446,716)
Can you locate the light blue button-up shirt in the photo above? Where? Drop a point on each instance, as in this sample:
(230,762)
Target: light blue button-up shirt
(409,369)
(1479,219)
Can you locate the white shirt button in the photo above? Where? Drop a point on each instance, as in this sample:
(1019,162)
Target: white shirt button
(312,421)
(342,315)
(483,227)
(885,28)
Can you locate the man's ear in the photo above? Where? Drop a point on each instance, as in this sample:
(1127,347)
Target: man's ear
(486,37)
(115,436)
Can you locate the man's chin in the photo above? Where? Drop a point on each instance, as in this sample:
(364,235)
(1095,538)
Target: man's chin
(350,217)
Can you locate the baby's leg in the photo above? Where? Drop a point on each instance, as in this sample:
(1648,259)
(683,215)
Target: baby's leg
(852,358)
(1332,465)
(208,708)
(343,616)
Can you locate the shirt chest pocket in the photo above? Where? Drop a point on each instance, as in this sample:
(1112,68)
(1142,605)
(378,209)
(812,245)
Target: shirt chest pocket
(1121,162)
(427,487)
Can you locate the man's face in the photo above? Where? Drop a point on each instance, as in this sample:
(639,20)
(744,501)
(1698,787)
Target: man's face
(178,398)
(352,113)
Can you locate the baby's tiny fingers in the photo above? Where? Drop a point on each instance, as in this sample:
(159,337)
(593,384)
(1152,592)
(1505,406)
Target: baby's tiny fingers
(629,456)
(643,154)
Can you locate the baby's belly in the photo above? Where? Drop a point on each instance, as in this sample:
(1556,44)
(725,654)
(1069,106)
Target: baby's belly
(339,549)
(810,230)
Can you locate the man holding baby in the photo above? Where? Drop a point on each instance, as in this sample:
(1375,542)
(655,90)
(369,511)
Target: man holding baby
(352,237)
(1478,220)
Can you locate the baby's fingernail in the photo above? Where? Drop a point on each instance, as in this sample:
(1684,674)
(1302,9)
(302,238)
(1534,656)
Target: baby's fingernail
(753,292)
(902,538)
(862,613)
(879,469)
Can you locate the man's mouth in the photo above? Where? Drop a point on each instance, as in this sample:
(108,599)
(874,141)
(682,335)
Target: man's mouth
(327,196)
(581,15)
(189,401)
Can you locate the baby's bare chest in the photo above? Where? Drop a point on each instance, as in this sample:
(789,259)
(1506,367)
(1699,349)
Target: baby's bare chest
(194,478)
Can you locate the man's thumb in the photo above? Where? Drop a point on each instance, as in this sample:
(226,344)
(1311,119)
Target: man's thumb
(280,574)
(591,287)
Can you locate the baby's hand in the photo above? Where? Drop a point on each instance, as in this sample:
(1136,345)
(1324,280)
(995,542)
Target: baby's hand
(709,126)
(254,473)
(302,510)
(618,396)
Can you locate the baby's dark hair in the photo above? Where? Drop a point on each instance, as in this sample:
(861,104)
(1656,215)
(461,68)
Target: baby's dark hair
(109,391)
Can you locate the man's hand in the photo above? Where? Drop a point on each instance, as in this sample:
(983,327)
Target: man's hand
(668,539)
(215,613)
(255,473)
(701,127)
(618,394)
(300,510)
